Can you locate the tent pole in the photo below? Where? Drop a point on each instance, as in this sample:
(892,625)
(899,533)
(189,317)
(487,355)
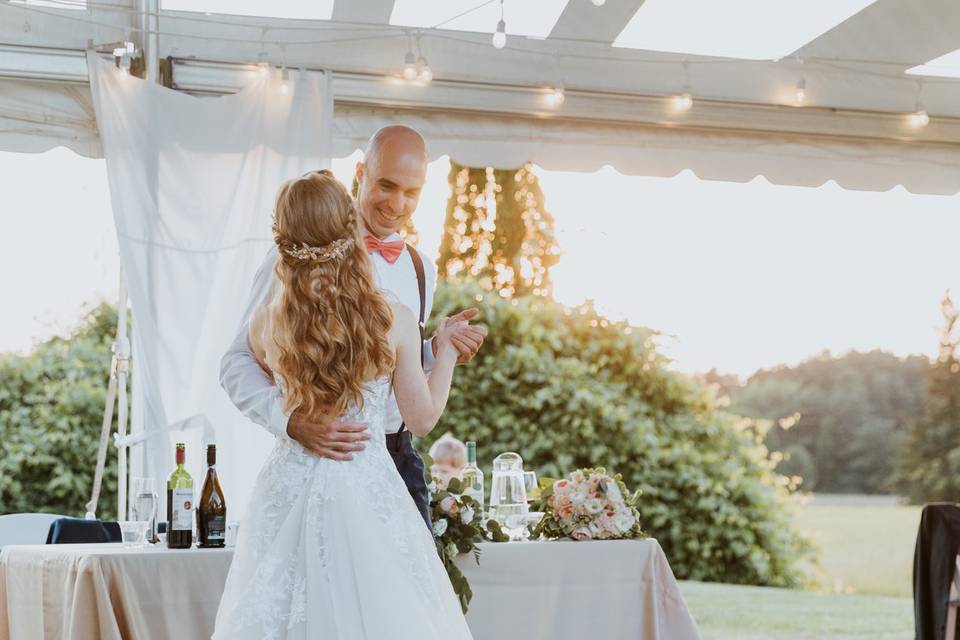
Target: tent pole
(149,13)
(119,368)
(122,351)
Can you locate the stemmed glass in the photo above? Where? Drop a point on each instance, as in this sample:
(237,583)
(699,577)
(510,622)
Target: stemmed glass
(530,484)
(145,506)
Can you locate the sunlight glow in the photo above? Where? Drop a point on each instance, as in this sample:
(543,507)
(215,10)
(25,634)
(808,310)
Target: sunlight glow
(534,18)
(292,9)
(748,29)
(946,66)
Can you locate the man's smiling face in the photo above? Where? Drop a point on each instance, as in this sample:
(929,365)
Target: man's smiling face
(391,181)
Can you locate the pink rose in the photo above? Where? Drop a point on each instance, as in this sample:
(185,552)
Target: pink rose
(449,505)
(561,487)
(565,508)
(577,476)
(581,533)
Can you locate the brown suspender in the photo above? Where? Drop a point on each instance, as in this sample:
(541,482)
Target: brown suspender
(422,286)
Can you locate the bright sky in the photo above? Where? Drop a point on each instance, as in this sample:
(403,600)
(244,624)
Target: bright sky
(740,275)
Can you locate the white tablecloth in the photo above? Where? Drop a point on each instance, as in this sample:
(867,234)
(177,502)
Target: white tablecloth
(532,590)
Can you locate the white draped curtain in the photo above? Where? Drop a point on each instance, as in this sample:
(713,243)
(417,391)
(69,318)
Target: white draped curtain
(192,183)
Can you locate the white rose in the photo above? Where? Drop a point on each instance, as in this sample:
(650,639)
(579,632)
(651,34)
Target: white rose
(624,522)
(452,549)
(432,487)
(466,515)
(440,527)
(577,498)
(613,492)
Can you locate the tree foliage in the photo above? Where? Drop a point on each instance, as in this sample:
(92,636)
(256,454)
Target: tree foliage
(838,421)
(497,231)
(929,465)
(567,388)
(51,408)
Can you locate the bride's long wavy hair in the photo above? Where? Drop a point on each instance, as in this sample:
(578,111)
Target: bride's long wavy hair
(331,324)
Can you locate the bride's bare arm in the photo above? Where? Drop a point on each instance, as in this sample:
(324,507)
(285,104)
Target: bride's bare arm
(421,401)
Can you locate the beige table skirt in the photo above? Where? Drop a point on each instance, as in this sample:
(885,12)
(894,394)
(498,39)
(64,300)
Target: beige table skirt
(532,590)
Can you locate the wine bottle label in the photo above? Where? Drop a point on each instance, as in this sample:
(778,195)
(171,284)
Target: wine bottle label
(216,528)
(182,516)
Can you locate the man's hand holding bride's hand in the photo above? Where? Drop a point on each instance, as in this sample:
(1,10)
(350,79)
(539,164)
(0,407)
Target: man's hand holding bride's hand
(327,438)
(465,338)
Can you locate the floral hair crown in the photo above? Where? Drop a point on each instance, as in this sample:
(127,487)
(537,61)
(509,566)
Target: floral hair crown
(332,251)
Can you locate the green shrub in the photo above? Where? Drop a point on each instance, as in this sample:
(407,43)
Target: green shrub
(566,388)
(51,408)
(797,461)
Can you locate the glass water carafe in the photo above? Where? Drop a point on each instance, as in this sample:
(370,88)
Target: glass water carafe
(508,495)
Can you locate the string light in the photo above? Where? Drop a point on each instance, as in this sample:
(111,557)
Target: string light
(410,66)
(500,36)
(425,74)
(919,118)
(284,81)
(684,101)
(264,69)
(556,96)
(599,3)
(801,93)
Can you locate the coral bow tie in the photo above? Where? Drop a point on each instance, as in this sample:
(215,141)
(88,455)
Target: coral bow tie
(389,250)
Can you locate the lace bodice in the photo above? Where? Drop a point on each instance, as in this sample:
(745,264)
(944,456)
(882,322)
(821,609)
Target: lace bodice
(373,412)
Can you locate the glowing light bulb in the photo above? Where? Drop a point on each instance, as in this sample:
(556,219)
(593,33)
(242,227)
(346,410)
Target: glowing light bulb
(919,118)
(801,94)
(500,37)
(556,97)
(426,74)
(683,102)
(599,3)
(410,66)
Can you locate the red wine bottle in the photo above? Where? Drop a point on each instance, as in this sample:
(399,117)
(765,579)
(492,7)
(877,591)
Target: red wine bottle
(212,509)
(180,504)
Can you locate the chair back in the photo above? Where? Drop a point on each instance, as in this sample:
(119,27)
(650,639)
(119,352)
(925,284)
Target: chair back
(25,528)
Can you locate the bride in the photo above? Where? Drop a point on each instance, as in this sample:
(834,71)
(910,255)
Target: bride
(337,549)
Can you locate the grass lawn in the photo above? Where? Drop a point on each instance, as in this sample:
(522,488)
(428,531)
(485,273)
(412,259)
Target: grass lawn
(863,575)
(729,612)
(866,542)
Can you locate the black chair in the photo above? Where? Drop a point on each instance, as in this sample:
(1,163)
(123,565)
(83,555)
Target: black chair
(80,531)
(935,563)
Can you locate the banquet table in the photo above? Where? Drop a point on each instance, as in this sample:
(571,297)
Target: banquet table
(557,590)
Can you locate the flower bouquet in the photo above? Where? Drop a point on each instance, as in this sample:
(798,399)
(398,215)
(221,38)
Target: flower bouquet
(589,505)
(457,527)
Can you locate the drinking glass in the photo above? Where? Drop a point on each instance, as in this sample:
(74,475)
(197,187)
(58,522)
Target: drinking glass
(132,532)
(145,505)
(530,484)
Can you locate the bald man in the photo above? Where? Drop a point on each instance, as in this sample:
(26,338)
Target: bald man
(391,179)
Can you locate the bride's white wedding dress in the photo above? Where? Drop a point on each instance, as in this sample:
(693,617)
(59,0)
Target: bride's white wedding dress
(337,550)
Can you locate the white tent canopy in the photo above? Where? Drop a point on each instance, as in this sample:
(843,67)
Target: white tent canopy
(489,106)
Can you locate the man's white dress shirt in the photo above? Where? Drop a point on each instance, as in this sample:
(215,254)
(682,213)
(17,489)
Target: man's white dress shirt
(250,388)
